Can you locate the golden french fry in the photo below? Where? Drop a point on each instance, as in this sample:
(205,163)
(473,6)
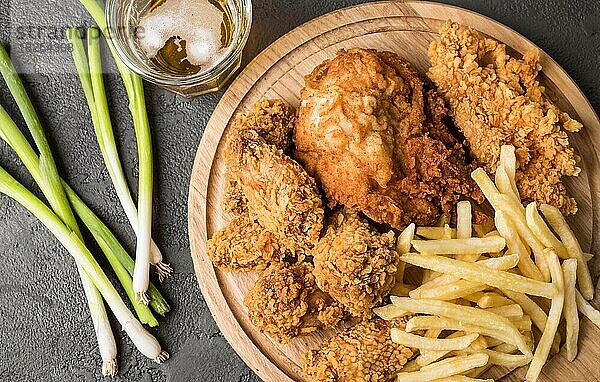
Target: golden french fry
(515,245)
(401,337)
(460,246)
(480,274)
(569,268)
(587,309)
(452,291)
(506,360)
(587,257)
(429,322)
(464,227)
(463,220)
(466,315)
(405,238)
(513,310)
(390,312)
(541,230)
(445,368)
(505,187)
(513,212)
(559,224)
(492,299)
(485,184)
(402,247)
(543,348)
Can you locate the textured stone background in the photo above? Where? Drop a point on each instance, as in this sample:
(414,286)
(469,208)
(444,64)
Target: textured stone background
(45,330)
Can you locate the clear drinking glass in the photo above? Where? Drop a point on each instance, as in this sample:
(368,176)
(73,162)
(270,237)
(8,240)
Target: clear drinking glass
(123,17)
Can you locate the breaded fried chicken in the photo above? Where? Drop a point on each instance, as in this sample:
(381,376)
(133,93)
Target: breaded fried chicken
(274,121)
(243,245)
(280,195)
(285,302)
(354,263)
(359,117)
(364,353)
(496,100)
(276,206)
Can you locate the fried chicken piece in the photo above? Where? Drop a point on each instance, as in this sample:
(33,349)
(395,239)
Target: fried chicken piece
(274,121)
(285,302)
(362,115)
(280,195)
(365,353)
(354,263)
(496,100)
(243,245)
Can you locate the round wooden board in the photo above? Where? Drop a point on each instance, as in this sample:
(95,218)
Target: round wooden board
(406,28)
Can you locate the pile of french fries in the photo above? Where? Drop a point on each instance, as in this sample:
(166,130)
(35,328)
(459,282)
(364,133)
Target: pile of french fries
(478,298)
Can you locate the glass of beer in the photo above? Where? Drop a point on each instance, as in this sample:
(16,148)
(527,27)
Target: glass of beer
(190,47)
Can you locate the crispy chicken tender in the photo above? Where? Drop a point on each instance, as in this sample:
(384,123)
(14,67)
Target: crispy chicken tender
(285,302)
(354,263)
(243,245)
(280,195)
(496,100)
(359,117)
(274,121)
(365,353)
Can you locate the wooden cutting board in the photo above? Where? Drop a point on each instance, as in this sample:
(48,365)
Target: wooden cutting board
(406,28)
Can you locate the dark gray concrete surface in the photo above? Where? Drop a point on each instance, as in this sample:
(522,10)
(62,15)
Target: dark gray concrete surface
(45,330)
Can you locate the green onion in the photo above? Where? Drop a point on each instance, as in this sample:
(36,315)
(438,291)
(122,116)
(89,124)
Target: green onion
(96,98)
(143,340)
(135,92)
(50,183)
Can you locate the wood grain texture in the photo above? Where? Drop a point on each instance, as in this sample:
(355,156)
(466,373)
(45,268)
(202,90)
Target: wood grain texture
(406,28)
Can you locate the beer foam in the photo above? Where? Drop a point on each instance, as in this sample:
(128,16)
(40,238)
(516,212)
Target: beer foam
(198,22)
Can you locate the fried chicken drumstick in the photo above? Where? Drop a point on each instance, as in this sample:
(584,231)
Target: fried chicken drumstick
(376,139)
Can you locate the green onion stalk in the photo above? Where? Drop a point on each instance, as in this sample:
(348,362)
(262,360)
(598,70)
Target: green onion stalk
(135,92)
(98,105)
(143,340)
(49,182)
(93,87)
